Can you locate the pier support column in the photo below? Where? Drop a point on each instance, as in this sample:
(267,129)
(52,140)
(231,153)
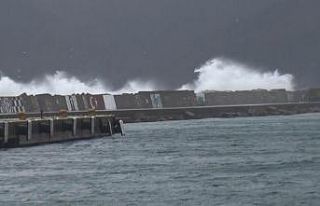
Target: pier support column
(92,126)
(6,132)
(110,127)
(122,128)
(29,125)
(74,126)
(51,128)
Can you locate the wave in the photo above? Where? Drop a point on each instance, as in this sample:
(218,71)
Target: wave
(224,74)
(62,83)
(216,74)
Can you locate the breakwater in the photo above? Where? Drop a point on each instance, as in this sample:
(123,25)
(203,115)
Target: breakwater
(151,100)
(152,115)
(34,131)
(164,105)
(196,112)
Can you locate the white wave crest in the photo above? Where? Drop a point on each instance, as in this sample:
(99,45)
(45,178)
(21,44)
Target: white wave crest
(62,83)
(136,86)
(216,74)
(222,74)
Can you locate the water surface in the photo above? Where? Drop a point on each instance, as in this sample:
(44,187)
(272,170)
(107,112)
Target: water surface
(241,161)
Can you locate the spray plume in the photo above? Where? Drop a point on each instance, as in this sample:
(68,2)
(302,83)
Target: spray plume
(222,74)
(216,74)
(61,83)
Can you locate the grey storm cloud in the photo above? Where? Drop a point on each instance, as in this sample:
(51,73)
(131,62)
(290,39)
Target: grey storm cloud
(161,40)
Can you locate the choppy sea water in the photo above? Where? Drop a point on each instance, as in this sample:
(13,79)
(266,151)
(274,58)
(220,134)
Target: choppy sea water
(241,161)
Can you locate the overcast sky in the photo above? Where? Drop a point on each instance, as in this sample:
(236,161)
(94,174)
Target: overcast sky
(162,40)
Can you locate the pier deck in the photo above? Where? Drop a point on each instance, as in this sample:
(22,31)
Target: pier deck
(35,131)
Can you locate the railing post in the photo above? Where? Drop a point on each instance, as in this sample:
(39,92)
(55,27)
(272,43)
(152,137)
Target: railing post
(110,128)
(122,127)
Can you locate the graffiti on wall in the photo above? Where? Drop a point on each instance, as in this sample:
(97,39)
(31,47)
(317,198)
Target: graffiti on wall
(201,98)
(11,105)
(156,100)
(93,102)
(72,103)
(109,102)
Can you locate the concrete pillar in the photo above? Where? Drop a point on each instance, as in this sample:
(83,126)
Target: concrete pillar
(122,128)
(29,125)
(51,128)
(74,126)
(6,132)
(110,127)
(92,126)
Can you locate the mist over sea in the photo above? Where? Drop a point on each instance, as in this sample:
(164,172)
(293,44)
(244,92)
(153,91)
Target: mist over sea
(241,161)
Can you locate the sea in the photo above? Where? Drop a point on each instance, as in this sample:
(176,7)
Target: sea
(237,161)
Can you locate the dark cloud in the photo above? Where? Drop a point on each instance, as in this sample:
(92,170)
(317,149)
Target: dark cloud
(163,40)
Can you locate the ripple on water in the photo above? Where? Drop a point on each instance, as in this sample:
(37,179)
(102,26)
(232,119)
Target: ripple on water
(241,161)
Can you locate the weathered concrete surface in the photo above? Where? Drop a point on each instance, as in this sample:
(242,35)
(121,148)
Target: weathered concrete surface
(183,98)
(198,112)
(246,97)
(50,105)
(151,115)
(126,101)
(313,95)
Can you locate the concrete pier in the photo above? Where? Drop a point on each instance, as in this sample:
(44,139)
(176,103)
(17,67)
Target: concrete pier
(21,133)
(201,112)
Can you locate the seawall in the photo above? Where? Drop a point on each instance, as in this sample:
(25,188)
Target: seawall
(151,115)
(196,112)
(150,100)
